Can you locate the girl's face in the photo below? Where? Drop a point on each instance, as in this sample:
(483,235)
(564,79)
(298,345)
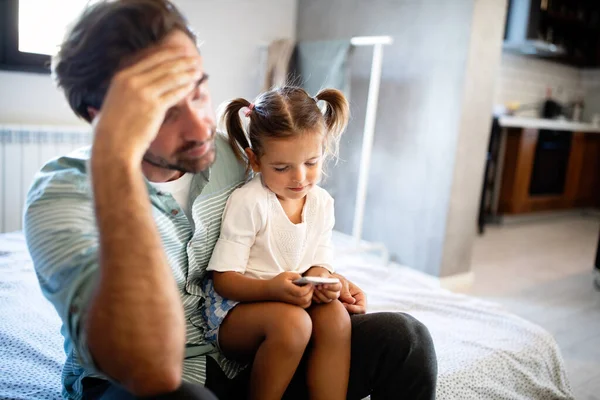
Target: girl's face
(290,167)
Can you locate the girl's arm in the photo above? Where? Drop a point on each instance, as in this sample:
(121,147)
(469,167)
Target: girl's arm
(235,286)
(238,287)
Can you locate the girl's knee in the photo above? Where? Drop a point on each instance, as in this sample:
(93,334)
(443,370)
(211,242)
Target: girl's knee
(331,320)
(292,326)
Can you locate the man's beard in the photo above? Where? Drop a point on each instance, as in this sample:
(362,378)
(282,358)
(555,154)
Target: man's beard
(182,164)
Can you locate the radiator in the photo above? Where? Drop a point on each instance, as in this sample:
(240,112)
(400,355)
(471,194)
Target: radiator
(23,151)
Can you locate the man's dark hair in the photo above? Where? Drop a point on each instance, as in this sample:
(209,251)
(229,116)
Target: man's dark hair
(105,35)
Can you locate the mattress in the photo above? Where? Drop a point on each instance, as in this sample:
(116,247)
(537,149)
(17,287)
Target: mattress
(31,355)
(484,352)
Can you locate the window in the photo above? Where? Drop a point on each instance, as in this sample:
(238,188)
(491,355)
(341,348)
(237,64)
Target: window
(31,30)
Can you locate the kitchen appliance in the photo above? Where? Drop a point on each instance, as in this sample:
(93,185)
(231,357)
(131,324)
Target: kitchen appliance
(522,33)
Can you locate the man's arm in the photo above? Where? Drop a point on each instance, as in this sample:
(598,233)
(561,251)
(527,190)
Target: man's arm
(135,325)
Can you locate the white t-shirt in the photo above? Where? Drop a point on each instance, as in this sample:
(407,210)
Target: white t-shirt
(258,239)
(180,190)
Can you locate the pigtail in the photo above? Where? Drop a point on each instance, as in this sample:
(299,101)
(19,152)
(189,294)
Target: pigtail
(233,125)
(336,115)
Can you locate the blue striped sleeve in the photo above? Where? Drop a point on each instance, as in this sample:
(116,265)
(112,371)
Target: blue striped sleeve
(62,238)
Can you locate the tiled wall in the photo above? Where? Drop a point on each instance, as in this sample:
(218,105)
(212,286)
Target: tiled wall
(590,79)
(591,82)
(525,80)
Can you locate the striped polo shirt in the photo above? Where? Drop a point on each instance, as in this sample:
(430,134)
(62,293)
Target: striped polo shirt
(62,237)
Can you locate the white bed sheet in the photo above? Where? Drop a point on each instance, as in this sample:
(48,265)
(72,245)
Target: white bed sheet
(31,346)
(483,351)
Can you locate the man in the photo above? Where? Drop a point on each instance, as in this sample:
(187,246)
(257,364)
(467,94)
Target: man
(109,228)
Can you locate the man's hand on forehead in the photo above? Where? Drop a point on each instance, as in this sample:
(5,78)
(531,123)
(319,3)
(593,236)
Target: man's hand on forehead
(139,96)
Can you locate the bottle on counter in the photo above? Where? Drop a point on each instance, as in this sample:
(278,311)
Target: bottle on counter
(577,110)
(551,108)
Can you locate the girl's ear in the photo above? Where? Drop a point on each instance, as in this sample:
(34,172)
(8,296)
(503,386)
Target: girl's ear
(252,159)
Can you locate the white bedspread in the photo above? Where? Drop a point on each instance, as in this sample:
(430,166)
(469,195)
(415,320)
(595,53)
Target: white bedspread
(31,354)
(483,351)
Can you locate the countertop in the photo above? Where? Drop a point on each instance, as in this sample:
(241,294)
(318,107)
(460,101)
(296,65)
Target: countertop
(540,123)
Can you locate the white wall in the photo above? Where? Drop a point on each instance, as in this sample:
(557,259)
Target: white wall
(232,32)
(433,121)
(33,99)
(418,119)
(485,50)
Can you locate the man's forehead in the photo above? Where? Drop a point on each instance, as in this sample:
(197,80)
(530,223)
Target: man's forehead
(176,40)
(180,41)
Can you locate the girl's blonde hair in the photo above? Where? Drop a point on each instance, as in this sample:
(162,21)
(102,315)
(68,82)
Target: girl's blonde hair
(282,113)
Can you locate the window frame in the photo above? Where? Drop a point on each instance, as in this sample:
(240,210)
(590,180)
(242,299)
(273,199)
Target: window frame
(11,59)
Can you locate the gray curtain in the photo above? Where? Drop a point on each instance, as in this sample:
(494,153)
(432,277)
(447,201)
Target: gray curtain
(323,64)
(279,54)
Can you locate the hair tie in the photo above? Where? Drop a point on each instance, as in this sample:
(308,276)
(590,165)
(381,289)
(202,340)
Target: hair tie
(249,110)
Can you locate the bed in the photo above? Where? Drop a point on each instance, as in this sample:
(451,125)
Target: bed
(484,352)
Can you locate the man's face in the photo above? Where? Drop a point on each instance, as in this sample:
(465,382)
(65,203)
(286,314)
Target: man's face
(186,139)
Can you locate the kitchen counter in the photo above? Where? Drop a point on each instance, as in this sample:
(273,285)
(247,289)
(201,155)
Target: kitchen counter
(511,174)
(551,124)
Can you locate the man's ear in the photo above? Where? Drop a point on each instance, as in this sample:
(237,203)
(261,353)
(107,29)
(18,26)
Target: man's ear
(252,159)
(93,112)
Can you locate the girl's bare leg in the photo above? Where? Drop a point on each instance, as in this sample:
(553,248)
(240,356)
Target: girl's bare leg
(275,334)
(329,359)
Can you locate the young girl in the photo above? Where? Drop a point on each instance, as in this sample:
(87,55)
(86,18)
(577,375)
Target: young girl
(276,229)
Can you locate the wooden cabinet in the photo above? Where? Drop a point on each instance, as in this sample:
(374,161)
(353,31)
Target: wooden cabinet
(581,183)
(588,191)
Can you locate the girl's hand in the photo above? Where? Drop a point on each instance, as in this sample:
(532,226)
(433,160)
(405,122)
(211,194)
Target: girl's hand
(281,288)
(324,293)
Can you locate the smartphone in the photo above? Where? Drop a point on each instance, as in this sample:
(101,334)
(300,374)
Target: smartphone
(315,280)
